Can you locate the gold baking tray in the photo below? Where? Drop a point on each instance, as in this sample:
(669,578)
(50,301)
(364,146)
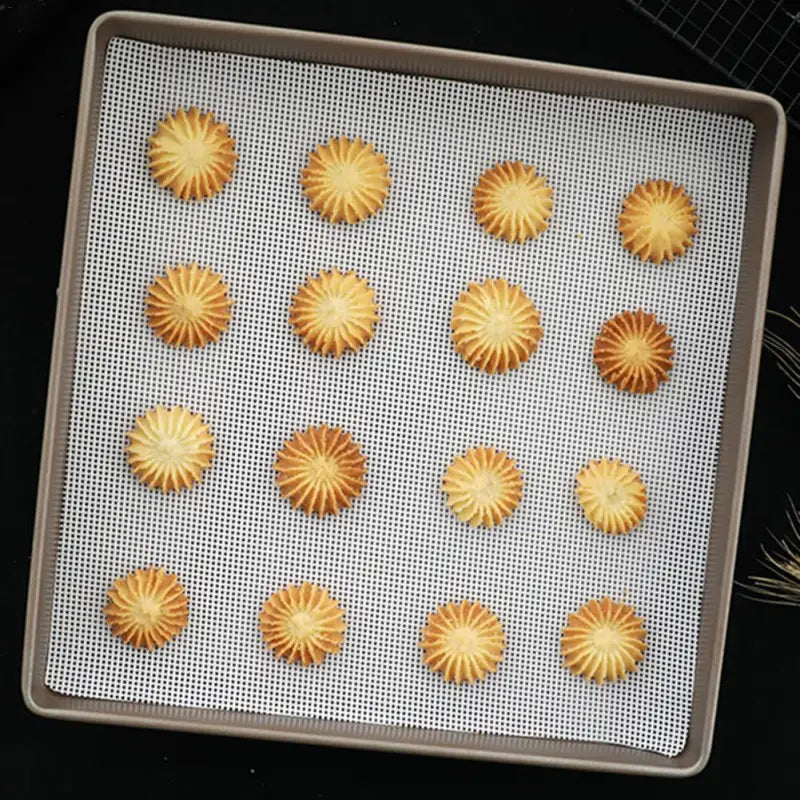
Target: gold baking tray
(768,120)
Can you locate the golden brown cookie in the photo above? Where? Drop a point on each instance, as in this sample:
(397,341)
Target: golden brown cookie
(147,608)
(512,202)
(603,641)
(169,448)
(483,486)
(634,352)
(334,312)
(496,326)
(612,495)
(192,154)
(346,180)
(465,642)
(302,623)
(657,221)
(321,470)
(188,306)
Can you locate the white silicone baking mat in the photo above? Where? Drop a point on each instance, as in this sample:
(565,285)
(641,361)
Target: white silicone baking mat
(408,398)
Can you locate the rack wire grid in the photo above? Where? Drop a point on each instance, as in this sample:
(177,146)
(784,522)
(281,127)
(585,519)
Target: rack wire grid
(756,43)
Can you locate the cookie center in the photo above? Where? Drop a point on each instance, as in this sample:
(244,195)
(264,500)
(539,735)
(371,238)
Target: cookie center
(516,198)
(499,327)
(323,469)
(664,223)
(195,154)
(170,451)
(188,307)
(463,640)
(606,639)
(345,178)
(334,312)
(486,487)
(146,611)
(636,351)
(613,494)
(301,625)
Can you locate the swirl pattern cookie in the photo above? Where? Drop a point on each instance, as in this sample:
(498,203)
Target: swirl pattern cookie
(169,448)
(320,470)
(496,326)
(634,352)
(147,608)
(483,486)
(657,221)
(334,312)
(464,642)
(302,624)
(346,180)
(192,154)
(612,495)
(603,641)
(188,306)
(512,202)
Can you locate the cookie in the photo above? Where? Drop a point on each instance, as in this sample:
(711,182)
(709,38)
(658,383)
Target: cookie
(657,221)
(634,352)
(612,495)
(169,448)
(192,154)
(483,486)
(302,624)
(188,306)
(333,312)
(147,608)
(495,326)
(464,642)
(603,641)
(320,470)
(512,202)
(346,180)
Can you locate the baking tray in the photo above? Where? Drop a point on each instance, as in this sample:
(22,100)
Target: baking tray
(766,155)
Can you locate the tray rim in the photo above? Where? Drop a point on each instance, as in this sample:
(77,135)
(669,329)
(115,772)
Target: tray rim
(769,121)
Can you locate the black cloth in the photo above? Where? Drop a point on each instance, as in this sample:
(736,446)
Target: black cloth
(757,742)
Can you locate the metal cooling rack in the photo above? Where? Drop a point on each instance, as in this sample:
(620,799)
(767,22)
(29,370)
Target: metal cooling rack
(756,43)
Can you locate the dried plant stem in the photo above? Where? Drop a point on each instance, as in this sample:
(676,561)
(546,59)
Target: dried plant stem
(782,585)
(786,355)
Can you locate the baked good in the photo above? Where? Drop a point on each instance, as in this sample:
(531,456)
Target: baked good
(192,154)
(496,326)
(512,202)
(603,641)
(302,624)
(188,306)
(346,180)
(464,642)
(612,495)
(483,486)
(147,608)
(634,352)
(657,221)
(333,312)
(320,470)
(169,448)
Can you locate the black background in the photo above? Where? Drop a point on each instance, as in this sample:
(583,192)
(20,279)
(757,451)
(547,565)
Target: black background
(757,741)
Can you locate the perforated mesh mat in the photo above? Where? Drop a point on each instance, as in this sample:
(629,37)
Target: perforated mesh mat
(407,398)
